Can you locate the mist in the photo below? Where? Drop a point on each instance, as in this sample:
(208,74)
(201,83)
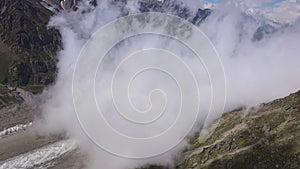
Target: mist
(255,72)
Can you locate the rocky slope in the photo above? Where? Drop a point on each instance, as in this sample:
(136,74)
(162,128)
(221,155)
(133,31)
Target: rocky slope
(267,137)
(27,59)
(264,137)
(17,107)
(27,46)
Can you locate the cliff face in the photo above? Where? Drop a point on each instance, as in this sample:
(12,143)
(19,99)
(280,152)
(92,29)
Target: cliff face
(27,46)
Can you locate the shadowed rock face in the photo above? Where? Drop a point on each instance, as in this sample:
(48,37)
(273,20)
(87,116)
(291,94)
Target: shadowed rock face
(264,31)
(31,44)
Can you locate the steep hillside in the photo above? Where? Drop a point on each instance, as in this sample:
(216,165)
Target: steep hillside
(27,46)
(267,137)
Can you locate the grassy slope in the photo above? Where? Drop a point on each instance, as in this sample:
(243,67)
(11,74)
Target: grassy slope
(267,137)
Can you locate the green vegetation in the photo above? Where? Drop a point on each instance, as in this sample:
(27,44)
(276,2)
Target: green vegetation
(266,138)
(35,89)
(4,64)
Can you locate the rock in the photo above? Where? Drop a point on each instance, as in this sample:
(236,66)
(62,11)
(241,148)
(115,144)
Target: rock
(201,16)
(24,31)
(263,31)
(194,165)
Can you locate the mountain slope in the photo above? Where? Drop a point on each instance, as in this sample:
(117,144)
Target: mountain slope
(27,45)
(267,137)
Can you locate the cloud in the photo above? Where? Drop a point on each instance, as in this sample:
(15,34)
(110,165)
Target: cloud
(255,72)
(284,11)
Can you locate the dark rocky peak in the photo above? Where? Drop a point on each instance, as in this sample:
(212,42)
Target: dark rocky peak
(263,31)
(201,16)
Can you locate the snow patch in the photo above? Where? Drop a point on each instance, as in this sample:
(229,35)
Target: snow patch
(15,129)
(38,158)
